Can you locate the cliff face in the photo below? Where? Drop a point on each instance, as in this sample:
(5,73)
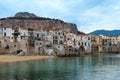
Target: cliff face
(27,20)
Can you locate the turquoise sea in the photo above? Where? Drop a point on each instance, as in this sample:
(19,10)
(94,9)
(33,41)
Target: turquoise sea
(88,67)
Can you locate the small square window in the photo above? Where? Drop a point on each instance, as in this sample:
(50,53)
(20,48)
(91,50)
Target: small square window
(14,45)
(40,43)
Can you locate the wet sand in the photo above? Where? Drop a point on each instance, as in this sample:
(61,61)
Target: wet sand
(12,58)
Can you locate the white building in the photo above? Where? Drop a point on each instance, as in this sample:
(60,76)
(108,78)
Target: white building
(8,34)
(24,32)
(23,35)
(39,34)
(58,37)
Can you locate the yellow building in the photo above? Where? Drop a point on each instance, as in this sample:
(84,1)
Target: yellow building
(118,38)
(98,40)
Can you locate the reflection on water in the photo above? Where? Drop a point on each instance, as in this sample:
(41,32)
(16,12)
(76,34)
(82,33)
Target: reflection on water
(89,67)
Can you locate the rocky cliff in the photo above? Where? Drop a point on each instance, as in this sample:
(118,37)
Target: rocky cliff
(28,20)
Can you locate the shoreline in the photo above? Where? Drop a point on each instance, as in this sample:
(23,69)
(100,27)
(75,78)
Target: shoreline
(13,58)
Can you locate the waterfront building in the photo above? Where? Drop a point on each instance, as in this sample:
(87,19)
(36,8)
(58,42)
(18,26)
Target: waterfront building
(58,37)
(39,45)
(71,47)
(1,37)
(49,37)
(8,34)
(1,33)
(35,42)
(8,38)
(48,48)
(71,40)
(40,34)
(98,40)
(23,40)
(111,44)
(118,38)
(24,34)
(13,40)
(89,43)
(86,43)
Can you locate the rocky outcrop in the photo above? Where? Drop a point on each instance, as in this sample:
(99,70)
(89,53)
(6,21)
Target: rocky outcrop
(25,14)
(28,20)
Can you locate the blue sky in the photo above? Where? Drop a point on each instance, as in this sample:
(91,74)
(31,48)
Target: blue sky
(89,15)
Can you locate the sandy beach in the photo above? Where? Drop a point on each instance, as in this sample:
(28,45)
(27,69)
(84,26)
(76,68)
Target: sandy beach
(12,58)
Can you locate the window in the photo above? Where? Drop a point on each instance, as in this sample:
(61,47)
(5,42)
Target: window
(63,34)
(26,44)
(74,40)
(88,38)
(21,37)
(37,35)
(61,42)
(49,46)
(85,43)
(14,45)
(55,41)
(24,34)
(68,38)
(61,37)
(4,28)
(4,33)
(82,43)
(79,43)
(40,43)
(58,33)
(7,46)
(56,37)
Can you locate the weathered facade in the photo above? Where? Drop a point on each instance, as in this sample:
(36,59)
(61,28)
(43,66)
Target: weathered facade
(23,41)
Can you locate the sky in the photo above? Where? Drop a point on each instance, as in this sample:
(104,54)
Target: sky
(88,15)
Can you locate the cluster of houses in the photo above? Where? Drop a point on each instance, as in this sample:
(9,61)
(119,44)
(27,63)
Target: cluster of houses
(21,41)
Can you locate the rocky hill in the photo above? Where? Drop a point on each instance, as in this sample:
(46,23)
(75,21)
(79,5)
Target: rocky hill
(25,14)
(106,32)
(29,20)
